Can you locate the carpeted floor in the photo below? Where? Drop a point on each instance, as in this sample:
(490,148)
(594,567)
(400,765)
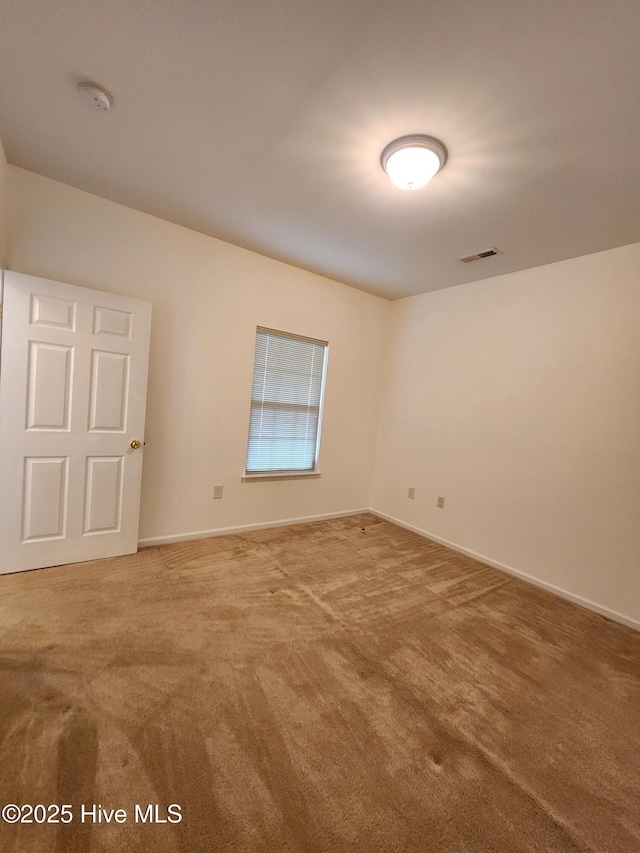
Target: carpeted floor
(341,686)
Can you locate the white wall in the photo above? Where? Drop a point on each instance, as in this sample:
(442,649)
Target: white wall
(4,171)
(208,297)
(516,399)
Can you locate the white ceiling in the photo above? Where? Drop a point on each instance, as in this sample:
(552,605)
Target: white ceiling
(262,123)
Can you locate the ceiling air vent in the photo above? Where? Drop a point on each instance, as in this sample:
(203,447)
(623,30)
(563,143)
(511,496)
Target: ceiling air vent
(477,256)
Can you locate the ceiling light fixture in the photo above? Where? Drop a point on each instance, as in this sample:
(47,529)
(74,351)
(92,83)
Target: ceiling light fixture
(411,161)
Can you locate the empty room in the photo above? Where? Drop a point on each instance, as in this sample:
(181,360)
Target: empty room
(319,421)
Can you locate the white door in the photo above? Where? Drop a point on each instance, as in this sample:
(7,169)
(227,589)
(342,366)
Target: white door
(73,380)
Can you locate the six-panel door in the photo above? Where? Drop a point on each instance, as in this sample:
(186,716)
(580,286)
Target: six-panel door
(73,376)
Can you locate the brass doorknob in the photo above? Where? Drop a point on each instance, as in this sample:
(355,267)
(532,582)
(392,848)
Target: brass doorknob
(135,444)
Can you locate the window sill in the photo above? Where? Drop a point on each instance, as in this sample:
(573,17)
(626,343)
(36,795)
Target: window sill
(279,475)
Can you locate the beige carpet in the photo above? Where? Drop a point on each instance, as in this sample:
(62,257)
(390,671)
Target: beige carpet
(341,686)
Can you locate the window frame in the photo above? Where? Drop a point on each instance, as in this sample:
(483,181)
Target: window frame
(287,473)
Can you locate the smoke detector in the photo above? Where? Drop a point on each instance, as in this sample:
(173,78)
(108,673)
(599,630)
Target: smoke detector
(94,97)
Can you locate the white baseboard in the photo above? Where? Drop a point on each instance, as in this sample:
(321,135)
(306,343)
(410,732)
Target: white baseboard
(243,528)
(556,590)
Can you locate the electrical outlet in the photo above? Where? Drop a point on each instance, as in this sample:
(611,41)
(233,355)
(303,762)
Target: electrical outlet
(411,492)
(440,503)
(217,492)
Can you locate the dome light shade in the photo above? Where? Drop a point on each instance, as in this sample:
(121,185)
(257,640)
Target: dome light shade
(411,161)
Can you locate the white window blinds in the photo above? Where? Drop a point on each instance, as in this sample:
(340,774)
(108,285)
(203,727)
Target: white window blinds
(286,402)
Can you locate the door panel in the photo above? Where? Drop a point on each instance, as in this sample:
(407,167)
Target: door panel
(49,386)
(48,311)
(107,321)
(103,494)
(72,398)
(45,498)
(109,391)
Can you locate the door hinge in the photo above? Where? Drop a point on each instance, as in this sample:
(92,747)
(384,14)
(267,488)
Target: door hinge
(0,310)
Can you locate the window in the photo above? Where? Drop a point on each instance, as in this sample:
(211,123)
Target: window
(286,403)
